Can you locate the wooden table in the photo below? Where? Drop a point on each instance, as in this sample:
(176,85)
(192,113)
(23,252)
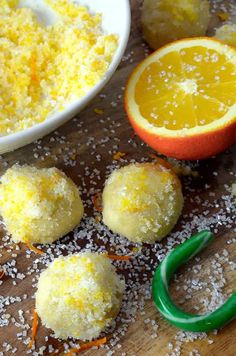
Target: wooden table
(87,144)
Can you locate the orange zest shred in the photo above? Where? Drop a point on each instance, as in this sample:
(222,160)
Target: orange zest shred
(97,219)
(35,249)
(87,346)
(161,161)
(119,258)
(34,76)
(2,273)
(97,202)
(34,328)
(118,155)
(223,16)
(179,170)
(73,157)
(98,111)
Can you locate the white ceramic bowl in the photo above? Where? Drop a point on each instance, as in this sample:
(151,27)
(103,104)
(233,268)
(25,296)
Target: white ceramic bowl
(116,19)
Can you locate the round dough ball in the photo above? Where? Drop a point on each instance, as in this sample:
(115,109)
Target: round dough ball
(39,205)
(142,202)
(79,295)
(165,21)
(227,34)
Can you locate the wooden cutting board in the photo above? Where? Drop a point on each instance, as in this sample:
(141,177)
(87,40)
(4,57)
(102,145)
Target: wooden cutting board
(89,143)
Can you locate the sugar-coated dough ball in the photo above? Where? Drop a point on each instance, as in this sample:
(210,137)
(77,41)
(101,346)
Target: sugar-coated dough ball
(142,202)
(165,21)
(227,33)
(39,205)
(79,295)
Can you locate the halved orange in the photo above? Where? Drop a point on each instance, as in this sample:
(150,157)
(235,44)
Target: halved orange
(181,100)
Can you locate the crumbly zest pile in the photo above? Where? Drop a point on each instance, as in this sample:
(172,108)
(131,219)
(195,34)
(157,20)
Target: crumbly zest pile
(38,205)
(43,68)
(79,295)
(142,202)
(199,288)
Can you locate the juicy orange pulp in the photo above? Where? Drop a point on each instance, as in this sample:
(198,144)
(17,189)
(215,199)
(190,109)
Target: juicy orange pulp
(183,89)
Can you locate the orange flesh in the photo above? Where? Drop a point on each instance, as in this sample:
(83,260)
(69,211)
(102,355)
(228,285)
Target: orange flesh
(192,87)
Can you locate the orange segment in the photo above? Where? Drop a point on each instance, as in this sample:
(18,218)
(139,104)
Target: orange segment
(159,77)
(224,92)
(168,111)
(208,109)
(207,65)
(185,89)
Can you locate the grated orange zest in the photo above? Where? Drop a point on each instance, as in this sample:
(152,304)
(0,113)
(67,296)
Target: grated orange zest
(34,249)
(223,16)
(161,161)
(119,258)
(118,155)
(98,111)
(87,346)
(34,328)
(34,75)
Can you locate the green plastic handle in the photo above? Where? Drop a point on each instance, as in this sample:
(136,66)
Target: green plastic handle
(163,301)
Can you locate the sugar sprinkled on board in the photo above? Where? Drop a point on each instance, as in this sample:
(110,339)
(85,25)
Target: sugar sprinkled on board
(138,290)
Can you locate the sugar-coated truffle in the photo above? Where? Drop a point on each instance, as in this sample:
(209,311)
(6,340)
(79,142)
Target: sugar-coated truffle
(142,202)
(227,34)
(79,295)
(39,205)
(165,21)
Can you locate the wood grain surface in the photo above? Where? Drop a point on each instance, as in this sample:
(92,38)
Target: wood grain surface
(88,143)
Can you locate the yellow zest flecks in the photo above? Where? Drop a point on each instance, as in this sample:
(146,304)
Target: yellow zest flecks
(45,67)
(223,16)
(139,199)
(137,249)
(98,111)
(118,155)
